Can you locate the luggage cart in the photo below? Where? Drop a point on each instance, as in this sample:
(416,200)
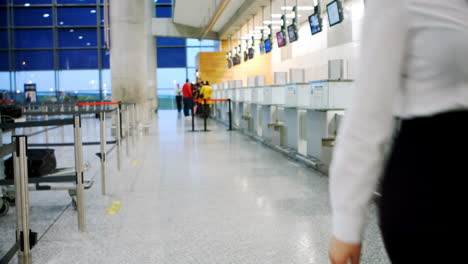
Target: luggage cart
(59,176)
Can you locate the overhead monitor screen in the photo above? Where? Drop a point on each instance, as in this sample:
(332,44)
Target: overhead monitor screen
(335,13)
(281,38)
(292,32)
(267,43)
(261,47)
(251,53)
(315,23)
(246,56)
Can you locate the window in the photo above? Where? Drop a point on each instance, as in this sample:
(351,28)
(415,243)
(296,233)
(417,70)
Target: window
(3,17)
(106,84)
(4,61)
(78,59)
(33,17)
(193,42)
(191,74)
(171,57)
(34,60)
(33,38)
(77,16)
(168,79)
(77,2)
(77,37)
(164,41)
(79,80)
(105,59)
(192,56)
(208,49)
(42,35)
(209,42)
(163,11)
(4,81)
(44,80)
(31,2)
(3,39)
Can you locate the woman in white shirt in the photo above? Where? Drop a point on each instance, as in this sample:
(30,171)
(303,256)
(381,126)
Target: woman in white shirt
(414,66)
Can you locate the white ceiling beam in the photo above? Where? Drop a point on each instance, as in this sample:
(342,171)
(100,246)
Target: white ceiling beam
(215,18)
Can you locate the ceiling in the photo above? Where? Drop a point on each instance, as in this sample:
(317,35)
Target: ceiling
(237,16)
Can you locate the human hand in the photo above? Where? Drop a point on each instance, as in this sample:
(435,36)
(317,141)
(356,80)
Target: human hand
(341,252)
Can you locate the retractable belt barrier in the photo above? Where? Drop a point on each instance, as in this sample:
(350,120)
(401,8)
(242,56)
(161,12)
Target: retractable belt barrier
(205,101)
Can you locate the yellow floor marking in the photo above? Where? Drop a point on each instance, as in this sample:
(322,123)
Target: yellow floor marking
(135,162)
(114,208)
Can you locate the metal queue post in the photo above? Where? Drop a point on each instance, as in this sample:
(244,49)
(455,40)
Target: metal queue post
(206,116)
(118,135)
(79,173)
(102,119)
(25,238)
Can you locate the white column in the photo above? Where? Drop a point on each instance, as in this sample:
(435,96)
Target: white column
(133,55)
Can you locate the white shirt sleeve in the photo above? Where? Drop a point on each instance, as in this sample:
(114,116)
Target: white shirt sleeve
(368,124)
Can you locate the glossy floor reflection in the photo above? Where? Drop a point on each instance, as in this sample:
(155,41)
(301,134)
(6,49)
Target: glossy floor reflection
(215,197)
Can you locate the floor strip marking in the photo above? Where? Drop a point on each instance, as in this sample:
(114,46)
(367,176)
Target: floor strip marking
(114,208)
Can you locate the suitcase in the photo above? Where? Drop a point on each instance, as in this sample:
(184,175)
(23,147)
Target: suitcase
(40,162)
(9,112)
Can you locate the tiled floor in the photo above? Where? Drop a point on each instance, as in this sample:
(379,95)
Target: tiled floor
(215,197)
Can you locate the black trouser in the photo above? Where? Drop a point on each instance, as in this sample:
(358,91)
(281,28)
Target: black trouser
(188,104)
(423,191)
(178,99)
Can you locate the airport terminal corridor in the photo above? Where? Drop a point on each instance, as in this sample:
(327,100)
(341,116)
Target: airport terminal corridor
(193,197)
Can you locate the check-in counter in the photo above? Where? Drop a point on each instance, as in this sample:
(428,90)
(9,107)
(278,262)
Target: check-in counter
(273,95)
(257,95)
(330,94)
(296,95)
(327,103)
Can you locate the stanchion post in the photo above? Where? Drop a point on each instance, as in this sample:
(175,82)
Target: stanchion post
(102,120)
(127,129)
(133,124)
(79,173)
(118,134)
(230,114)
(46,117)
(193,117)
(120,118)
(25,238)
(135,121)
(205,114)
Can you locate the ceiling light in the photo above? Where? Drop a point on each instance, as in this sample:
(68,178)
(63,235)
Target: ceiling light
(51,89)
(80,37)
(76,92)
(269,22)
(61,23)
(88,44)
(287,15)
(299,8)
(46,15)
(27,4)
(93,11)
(72,30)
(18,91)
